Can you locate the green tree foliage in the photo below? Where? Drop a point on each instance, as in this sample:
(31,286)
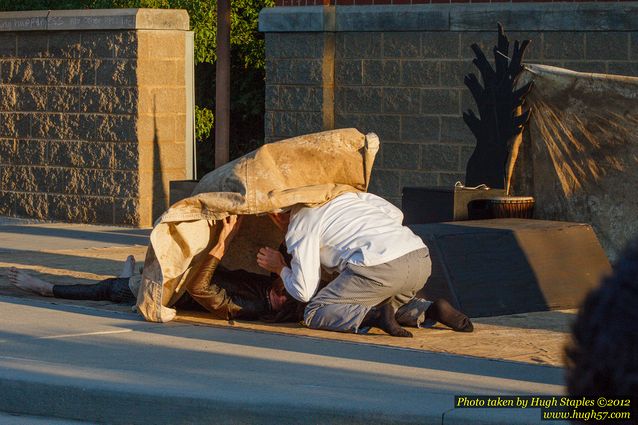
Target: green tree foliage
(247,67)
(206,121)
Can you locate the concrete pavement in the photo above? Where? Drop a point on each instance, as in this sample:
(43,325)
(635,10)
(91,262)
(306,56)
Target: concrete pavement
(80,254)
(62,363)
(90,365)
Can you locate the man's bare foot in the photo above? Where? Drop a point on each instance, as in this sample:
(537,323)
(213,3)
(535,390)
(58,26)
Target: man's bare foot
(443,312)
(129,267)
(27,282)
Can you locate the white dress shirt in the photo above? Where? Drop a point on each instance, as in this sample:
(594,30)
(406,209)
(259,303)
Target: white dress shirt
(355,228)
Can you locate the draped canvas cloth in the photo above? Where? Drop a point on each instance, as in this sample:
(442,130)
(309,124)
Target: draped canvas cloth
(579,159)
(307,170)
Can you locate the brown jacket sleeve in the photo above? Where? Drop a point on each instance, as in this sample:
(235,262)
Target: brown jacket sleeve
(210,296)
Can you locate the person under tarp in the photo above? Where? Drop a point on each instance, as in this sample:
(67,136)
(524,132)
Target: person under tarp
(307,170)
(302,172)
(226,294)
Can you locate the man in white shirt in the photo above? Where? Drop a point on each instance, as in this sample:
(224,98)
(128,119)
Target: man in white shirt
(381,266)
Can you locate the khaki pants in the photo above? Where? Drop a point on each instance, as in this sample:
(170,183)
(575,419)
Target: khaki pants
(344,302)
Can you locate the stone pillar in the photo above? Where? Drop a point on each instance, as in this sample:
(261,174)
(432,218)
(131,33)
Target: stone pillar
(96,113)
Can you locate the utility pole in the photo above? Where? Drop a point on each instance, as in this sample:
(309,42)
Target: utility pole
(222,84)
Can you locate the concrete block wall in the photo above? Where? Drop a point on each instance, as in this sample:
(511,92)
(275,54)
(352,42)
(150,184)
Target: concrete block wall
(295,82)
(398,71)
(94,115)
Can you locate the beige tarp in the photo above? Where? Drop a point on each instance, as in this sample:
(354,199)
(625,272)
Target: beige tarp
(306,170)
(580,157)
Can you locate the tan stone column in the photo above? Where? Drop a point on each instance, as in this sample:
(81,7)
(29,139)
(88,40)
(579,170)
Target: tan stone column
(164,115)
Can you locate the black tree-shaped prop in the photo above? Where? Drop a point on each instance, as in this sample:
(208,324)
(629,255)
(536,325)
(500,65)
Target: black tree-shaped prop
(501,112)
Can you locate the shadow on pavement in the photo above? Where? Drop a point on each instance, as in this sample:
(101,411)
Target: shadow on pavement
(554,321)
(119,236)
(62,262)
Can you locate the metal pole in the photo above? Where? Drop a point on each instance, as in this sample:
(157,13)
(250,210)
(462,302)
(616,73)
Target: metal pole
(222,84)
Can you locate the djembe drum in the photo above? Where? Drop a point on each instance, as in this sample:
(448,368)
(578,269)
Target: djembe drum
(501,207)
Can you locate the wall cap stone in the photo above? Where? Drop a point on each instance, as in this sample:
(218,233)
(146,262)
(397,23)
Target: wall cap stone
(302,18)
(95,19)
(612,16)
(24,21)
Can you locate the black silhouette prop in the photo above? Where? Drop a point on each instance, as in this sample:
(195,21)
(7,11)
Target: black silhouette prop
(502,112)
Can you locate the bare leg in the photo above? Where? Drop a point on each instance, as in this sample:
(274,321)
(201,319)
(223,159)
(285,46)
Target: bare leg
(27,282)
(129,267)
